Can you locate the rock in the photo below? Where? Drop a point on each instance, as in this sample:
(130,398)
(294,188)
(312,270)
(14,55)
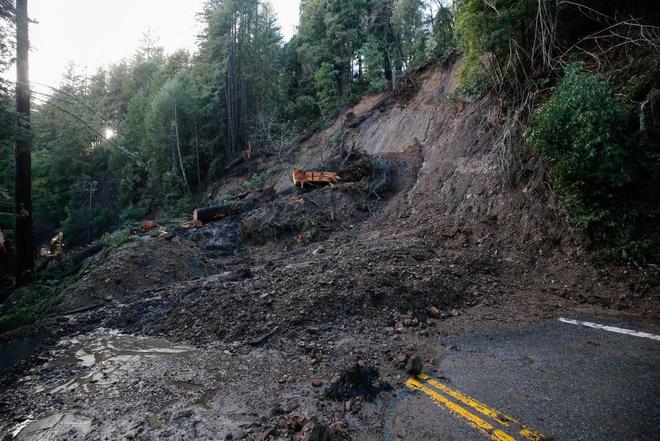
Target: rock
(277,410)
(239,434)
(357,382)
(415,365)
(317,382)
(319,250)
(313,431)
(433,312)
(245,273)
(268,434)
(294,421)
(154,422)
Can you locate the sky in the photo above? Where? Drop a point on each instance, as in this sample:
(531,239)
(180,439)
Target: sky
(95,33)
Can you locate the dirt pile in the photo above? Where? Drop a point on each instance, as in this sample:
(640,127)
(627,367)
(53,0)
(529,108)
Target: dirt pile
(144,264)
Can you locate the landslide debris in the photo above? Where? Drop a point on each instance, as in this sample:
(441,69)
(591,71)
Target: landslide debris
(139,266)
(357,381)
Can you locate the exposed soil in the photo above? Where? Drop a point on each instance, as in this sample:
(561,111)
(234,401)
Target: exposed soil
(295,318)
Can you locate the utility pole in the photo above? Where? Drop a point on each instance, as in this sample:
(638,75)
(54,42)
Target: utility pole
(90,186)
(23,175)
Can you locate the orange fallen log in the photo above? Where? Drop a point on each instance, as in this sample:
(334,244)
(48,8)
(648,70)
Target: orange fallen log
(301,176)
(149,225)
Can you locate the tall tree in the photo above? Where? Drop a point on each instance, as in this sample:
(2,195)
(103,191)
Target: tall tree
(23,179)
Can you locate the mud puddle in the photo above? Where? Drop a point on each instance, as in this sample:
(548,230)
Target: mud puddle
(109,385)
(106,353)
(95,363)
(18,349)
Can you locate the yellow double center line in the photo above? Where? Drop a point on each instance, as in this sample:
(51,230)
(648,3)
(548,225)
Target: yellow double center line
(473,420)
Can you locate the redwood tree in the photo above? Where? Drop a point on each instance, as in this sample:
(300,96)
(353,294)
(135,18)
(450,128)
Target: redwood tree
(23,177)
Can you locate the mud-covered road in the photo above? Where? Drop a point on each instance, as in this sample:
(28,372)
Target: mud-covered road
(554,380)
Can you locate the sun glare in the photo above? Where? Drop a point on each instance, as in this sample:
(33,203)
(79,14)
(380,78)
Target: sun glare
(109,133)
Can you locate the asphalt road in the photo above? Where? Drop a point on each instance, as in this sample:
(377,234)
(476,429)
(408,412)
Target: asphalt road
(559,380)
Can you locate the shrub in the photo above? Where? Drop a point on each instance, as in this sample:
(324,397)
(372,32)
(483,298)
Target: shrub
(118,238)
(255,181)
(482,29)
(25,306)
(607,181)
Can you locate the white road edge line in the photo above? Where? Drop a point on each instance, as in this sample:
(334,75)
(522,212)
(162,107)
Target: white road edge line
(611,328)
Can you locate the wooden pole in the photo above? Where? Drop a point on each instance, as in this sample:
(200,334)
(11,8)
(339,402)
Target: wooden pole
(23,176)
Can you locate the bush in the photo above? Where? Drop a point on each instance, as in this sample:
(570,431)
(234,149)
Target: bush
(25,306)
(255,181)
(118,238)
(482,29)
(607,181)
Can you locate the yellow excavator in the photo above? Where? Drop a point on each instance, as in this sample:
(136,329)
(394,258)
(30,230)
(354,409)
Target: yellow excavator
(55,247)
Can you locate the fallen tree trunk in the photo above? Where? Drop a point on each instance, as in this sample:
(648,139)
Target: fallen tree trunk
(91,250)
(211,214)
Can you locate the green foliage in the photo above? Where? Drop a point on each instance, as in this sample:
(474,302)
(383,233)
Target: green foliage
(485,34)
(608,182)
(256,180)
(326,90)
(442,38)
(118,238)
(25,306)
(374,60)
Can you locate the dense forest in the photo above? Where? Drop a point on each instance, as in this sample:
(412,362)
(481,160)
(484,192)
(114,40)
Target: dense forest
(146,136)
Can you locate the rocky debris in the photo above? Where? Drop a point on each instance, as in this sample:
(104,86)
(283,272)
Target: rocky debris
(302,428)
(357,381)
(415,365)
(313,431)
(218,239)
(236,435)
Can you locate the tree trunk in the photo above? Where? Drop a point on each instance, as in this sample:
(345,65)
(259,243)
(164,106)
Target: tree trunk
(23,176)
(211,214)
(199,173)
(178,149)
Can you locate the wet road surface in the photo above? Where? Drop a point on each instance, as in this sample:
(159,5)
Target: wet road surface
(556,380)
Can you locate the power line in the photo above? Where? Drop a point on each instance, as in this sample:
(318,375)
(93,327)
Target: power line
(75,97)
(89,126)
